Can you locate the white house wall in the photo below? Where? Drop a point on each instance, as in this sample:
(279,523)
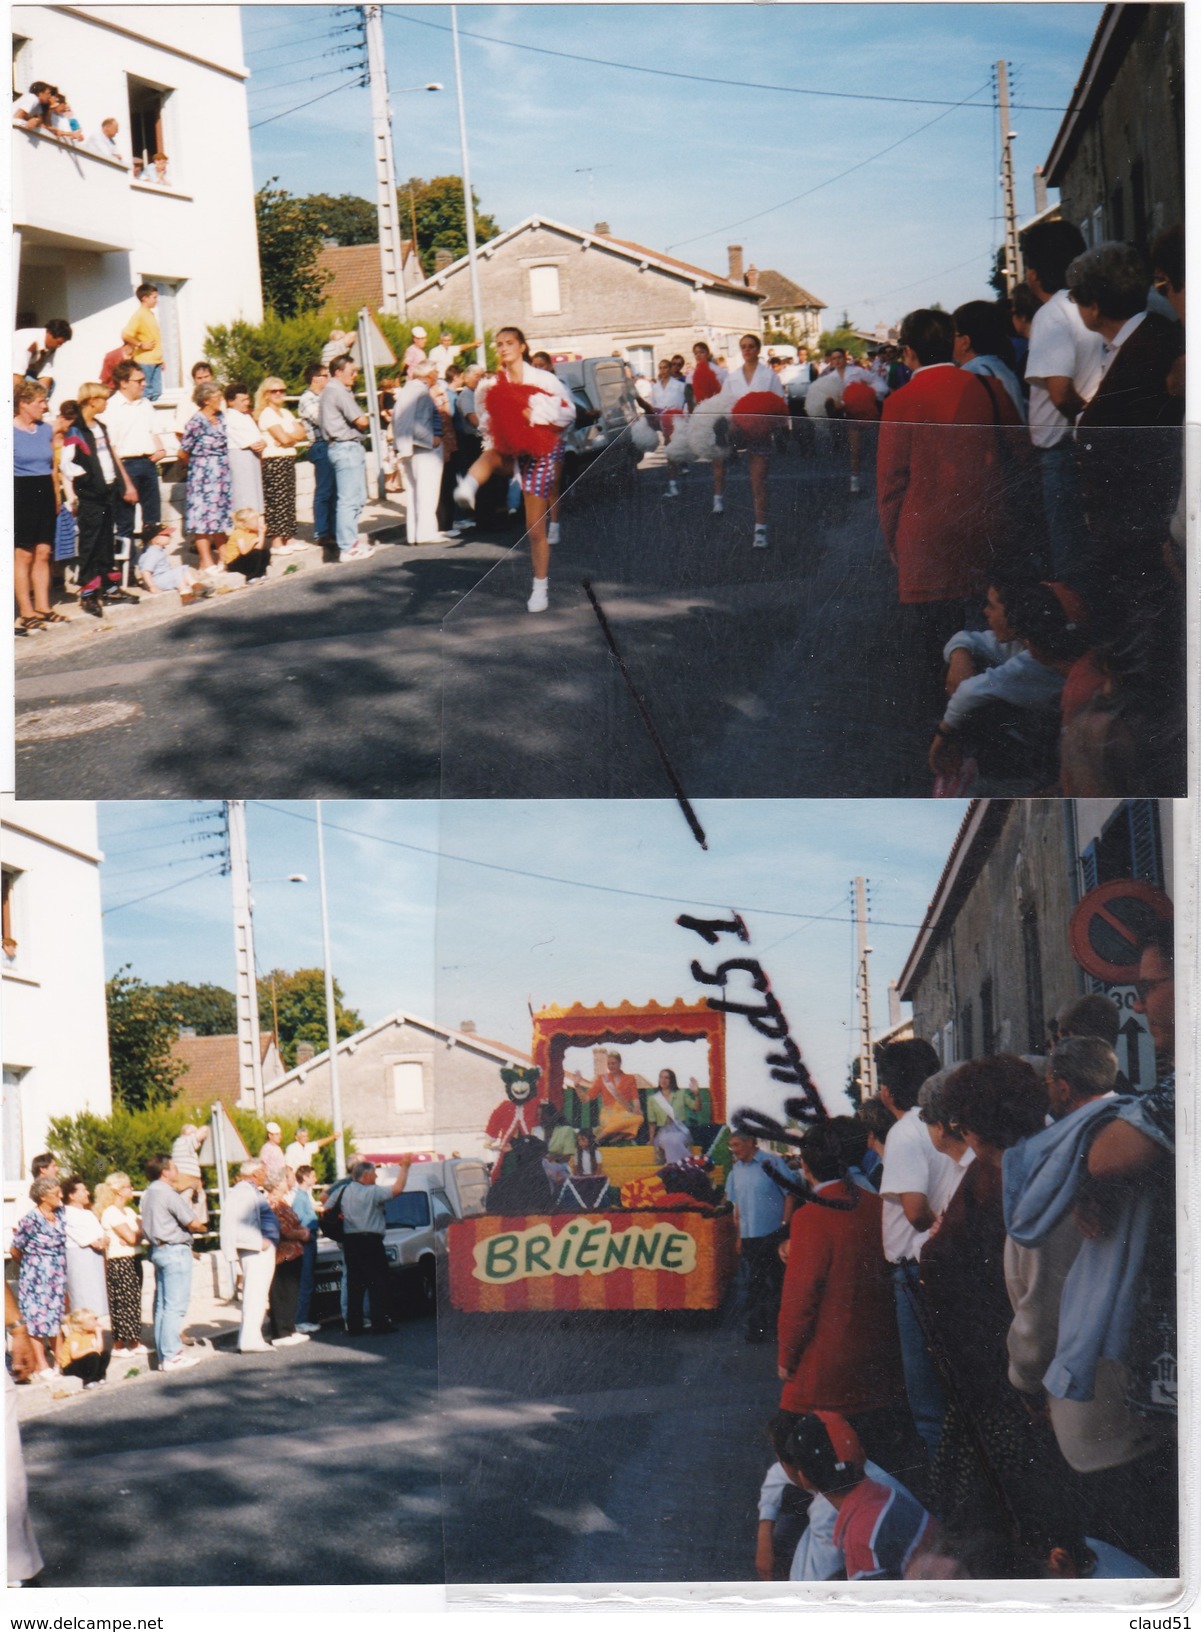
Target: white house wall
(89,234)
(54,1022)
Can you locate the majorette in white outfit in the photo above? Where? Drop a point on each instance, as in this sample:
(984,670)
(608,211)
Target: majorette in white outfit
(549,407)
(713,414)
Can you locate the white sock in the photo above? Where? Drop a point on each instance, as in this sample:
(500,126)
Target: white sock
(552,533)
(719,504)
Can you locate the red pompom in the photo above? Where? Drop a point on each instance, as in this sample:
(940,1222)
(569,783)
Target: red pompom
(753,416)
(705,382)
(511,431)
(860,400)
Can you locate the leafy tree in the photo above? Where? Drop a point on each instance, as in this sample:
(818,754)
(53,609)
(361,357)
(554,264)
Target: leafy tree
(347,218)
(437,206)
(211,1011)
(298,998)
(288,250)
(141,1029)
(844,336)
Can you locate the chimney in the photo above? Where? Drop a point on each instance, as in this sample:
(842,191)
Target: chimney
(1040,190)
(752,277)
(603,229)
(467,1026)
(894,1005)
(735,263)
(304,1053)
(442,259)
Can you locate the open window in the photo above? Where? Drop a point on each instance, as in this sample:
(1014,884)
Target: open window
(148,109)
(22,67)
(8,940)
(14,1152)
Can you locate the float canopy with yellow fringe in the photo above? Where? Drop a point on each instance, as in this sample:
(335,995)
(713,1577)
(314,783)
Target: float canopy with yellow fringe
(617,1259)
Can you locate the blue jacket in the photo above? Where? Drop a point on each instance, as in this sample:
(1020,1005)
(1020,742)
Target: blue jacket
(1042,1177)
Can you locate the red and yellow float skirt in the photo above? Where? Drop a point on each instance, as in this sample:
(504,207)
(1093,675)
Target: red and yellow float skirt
(635,1260)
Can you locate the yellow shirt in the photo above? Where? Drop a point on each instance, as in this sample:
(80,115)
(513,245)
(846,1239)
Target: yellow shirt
(142,332)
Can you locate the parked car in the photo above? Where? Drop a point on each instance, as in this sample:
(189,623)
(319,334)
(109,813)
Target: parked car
(606,406)
(415,1238)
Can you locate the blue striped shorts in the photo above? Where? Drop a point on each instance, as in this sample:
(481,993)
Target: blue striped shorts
(540,472)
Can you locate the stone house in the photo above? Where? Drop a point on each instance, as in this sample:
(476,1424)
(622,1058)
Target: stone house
(406,1084)
(992,961)
(589,294)
(787,307)
(1118,156)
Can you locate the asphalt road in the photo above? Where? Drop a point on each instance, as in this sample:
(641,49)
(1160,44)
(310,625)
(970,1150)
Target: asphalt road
(580,1448)
(419,673)
(617,1447)
(319,1463)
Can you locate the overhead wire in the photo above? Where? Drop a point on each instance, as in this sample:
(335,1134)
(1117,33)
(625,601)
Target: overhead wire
(828,182)
(391,14)
(177,884)
(306,79)
(551,878)
(348,85)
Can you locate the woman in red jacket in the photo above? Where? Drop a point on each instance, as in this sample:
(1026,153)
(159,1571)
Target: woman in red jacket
(838,1345)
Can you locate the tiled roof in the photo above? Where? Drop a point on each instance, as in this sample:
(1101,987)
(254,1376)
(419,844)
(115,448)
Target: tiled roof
(670,260)
(212,1068)
(356,277)
(782,293)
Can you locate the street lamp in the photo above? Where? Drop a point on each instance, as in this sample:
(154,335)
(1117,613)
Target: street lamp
(434,85)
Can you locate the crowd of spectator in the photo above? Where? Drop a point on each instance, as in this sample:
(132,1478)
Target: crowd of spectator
(80,1258)
(976,1332)
(44,110)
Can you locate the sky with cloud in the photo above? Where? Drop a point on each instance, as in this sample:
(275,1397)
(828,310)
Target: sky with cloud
(687,164)
(481,910)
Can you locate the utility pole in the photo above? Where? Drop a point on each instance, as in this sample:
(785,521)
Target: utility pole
(1014,272)
(331,1012)
(250,1056)
(867,1059)
(391,250)
(477,317)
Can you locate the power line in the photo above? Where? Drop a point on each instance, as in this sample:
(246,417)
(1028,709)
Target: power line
(551,878)
(305,79)
(865,300)
(352,84)
(707,79)
(301,62)
(210,872)
(829,181)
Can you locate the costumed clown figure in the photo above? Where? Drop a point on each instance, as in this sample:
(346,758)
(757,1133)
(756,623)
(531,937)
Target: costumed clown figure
(518,1113)
(621,1116)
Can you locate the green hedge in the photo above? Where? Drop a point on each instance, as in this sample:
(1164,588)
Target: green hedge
(285,346)
(124,1142)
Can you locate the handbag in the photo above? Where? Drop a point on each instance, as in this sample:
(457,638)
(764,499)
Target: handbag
(66,535)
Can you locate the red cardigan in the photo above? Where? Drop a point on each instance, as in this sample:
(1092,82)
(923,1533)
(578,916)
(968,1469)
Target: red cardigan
(938,490)
(837,1328)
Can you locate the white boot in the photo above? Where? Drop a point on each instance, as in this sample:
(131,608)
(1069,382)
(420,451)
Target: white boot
(719,504)
(673,491)
(552,532)
(539,599)
(759,542)
(465,492)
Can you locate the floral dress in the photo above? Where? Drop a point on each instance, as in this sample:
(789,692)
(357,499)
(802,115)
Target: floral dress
(42,1280)
(210,483)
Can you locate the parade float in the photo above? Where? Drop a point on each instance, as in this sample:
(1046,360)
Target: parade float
(611,1226)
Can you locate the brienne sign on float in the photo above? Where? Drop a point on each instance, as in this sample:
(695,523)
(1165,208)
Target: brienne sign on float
(634,1258)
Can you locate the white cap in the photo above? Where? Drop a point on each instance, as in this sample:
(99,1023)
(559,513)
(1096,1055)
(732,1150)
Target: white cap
(274,1127)
(419,333)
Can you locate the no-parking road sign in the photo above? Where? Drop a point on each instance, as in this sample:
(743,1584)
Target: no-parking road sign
(1109,925)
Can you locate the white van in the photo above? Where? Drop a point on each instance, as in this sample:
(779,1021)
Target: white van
(437,1193)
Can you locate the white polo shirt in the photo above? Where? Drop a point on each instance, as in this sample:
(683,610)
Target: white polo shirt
(912,1163)
(1059,345)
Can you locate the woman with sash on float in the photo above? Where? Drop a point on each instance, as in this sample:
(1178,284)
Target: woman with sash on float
(522,413)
